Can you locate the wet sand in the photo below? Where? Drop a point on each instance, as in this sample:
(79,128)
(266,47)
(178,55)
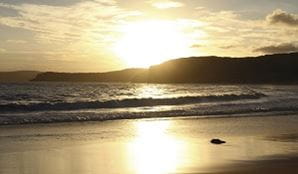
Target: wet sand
(153,146)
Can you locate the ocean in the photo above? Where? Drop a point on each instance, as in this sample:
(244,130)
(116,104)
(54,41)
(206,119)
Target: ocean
(41,102)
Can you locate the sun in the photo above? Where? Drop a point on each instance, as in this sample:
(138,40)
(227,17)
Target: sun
(151,42)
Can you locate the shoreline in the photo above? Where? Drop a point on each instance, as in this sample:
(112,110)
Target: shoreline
(179,117)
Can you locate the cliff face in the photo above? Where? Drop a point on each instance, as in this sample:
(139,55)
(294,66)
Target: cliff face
(281,68)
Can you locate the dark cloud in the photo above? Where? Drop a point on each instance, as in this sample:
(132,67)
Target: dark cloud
(227,46)
(282,17)
(282,48)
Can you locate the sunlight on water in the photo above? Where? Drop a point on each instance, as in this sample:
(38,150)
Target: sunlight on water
(154,151)
(150,91)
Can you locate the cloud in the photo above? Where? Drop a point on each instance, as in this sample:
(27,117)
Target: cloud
(281,48)
(83,32)
(228,46)
(196,46)
(16,41)
(229,33)
(81,21)
(165,4)
(282,17)
(2,50)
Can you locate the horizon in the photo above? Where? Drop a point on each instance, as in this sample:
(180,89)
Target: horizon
(108,35)
(147,68)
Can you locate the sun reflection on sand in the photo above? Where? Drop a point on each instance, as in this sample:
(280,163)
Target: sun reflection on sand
(155,151)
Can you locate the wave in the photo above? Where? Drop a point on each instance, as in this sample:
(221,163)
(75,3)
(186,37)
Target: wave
(126,103)
(229,110)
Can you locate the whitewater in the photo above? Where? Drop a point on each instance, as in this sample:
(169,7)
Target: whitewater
(40,102)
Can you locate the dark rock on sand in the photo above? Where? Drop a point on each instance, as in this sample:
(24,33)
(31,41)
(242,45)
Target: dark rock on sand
(217,141)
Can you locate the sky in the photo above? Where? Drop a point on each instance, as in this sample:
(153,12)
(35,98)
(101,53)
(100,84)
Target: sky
(107,35)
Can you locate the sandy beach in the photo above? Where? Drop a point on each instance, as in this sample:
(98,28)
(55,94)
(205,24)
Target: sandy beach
(153,146)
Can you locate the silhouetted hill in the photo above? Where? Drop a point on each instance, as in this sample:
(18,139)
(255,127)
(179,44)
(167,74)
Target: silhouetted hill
(128,75)
(18,76)
(279,68)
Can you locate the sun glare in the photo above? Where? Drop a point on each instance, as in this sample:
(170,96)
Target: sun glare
(151,42)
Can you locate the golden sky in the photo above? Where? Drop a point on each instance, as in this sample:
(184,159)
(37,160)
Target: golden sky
(105,35)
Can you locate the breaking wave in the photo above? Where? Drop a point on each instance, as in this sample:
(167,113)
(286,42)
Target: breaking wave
(125,103)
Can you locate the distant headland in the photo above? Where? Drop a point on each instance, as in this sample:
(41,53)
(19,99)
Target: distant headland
(278,68)
(18,76)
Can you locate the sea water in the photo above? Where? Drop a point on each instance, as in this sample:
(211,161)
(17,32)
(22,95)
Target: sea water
(41,102)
